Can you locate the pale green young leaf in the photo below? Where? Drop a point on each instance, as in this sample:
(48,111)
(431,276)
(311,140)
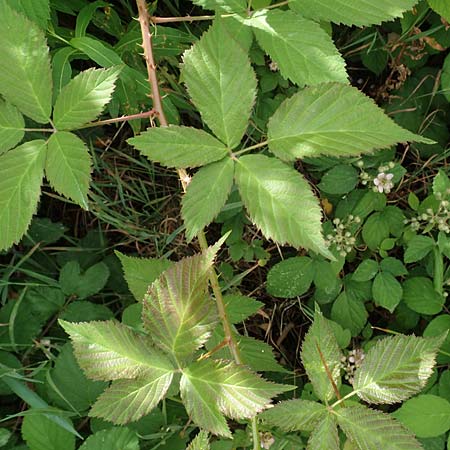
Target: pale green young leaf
(223,95)
(25,74)
(363,12)
(11,126)
(115,438)
(442,7)
(140,273)
(418,247)
(224,388)
(206,194)
(369,429)
(110,351)
(68,166)
(21,173)
(396,368)
(178,146)
(239,307)
(84,97)
(325,435)
(37,11)
(177,310)
(302,49)
(129,400)
(40,433)
(200,442)
(387,291)
(332,119)
(280,202)
(229,6)
(295,415)
(321,358)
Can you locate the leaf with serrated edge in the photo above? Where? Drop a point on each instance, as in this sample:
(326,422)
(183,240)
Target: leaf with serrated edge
(140,273)
(200,442)
(302,49)
(37,11)
(229,6)
(280,202)
(110,351)
(11,126)
(68,166)
(332,119)
(295,415)
(112,438)
(84,97)
(21,173)
(324,436)
(177,146)
(374,430)
(396,368)
(319,348)
(363,12)
(224,388)
(177,310)
(129,400)
(25,74)
(223,95)
(205,196)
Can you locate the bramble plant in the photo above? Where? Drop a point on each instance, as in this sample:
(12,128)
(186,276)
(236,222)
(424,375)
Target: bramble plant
(170,346)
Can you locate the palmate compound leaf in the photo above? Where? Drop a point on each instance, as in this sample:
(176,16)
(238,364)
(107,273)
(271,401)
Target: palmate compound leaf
(332,119)
(177,310)
(84,97)
(211,389)
(349,12)
(21,173)
(325,435)
(295,415)
(280,202)
(396,368)
(223,94)
(373,430)
(302,49)
(68,166)
(25,74)
(178,146)
(206,194)
(321,358)
(109,350)
(11,126)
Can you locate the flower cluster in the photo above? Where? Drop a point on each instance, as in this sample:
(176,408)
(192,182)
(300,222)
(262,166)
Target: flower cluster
(430,219)
(343,238)
(351,362)
(382,182)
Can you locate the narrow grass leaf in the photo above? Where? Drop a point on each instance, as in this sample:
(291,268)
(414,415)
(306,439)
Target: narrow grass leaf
(229,6)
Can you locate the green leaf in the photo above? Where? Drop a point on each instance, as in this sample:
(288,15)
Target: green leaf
(325,435)
(349,13)
(69,386)
(115,438)
(211,389)
(37,11)
(441,183)
(291,277)
(396,368)
(341,179)
(332,119)
(295,415)
(223,95)
(442,7)
(280,202)
(417,248)
(366,270)
(321,358)
(21,173)
(111,351)
(25,74)
(425,415)
(420,296)
(140,273)
(303,50)
(206,194)
(83,285)
(240,307)
(84,97)
(229,6)
(177,146)
(61,69)
(349,313)
(393,266)
(177,310)
(40,433)
(373,430)
(11,126)
(68,166)
(437,327)
(387,291)
(200,442)
(129,400)
(97,51)
(375,230)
